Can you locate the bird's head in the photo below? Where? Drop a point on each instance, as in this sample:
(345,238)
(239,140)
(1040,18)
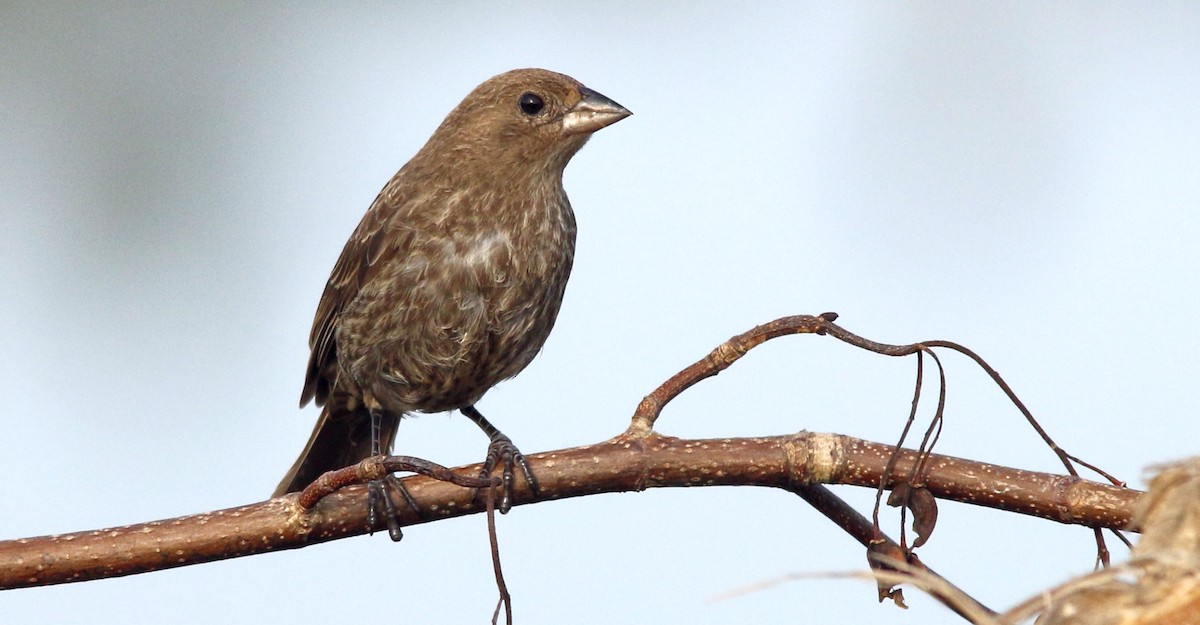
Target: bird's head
(524,121)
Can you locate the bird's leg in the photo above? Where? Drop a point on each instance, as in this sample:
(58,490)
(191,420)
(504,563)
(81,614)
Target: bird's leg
(501,448)
(375,488)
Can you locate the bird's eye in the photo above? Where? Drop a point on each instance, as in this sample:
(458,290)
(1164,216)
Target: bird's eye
(531,103)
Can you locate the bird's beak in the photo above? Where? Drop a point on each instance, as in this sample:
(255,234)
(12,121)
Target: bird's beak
(592,113)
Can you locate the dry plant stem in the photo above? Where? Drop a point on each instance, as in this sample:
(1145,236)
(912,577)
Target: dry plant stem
(934,430)
(927,444)
(864,531)
(916,574)
(505,599)
(912,419)
(617,465)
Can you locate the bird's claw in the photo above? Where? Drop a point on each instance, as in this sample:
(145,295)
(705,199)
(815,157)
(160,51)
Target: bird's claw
(502,451)
(377,496)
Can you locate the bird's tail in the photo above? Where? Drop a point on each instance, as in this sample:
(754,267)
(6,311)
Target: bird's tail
(341,438)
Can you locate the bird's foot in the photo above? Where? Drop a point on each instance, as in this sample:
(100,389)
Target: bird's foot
(379,502)
(502,451)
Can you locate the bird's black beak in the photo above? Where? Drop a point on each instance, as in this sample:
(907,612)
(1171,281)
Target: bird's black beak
(592,113)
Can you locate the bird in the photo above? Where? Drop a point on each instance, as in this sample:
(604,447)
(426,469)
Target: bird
(453,279)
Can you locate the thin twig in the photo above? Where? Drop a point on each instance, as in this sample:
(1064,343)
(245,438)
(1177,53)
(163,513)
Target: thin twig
(648,411)
(912,418)
(867,532)
(505,599)
(377,468)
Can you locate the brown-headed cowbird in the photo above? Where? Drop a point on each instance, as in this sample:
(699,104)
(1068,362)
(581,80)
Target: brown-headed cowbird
(453,279)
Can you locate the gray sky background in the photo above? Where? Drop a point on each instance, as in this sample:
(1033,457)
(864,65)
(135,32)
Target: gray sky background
(177,180)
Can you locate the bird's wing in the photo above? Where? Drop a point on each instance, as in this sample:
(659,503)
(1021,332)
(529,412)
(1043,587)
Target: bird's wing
(365,253)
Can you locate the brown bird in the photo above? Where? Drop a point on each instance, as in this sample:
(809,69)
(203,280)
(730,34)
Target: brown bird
(453,279)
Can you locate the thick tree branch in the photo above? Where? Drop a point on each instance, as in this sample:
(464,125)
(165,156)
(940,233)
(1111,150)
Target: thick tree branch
(624,463)
(334,506)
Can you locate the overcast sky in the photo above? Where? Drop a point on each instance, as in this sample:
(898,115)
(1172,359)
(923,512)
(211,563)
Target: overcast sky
(176,182)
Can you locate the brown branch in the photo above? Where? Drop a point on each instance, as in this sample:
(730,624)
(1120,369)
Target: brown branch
(866,532)
(719,360)
(333,507)
(730,351)
(625,463)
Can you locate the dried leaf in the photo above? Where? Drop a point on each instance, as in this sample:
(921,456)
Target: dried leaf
(923,506)
(880,555)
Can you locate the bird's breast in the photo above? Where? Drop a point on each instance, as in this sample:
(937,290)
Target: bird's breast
(467,305)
